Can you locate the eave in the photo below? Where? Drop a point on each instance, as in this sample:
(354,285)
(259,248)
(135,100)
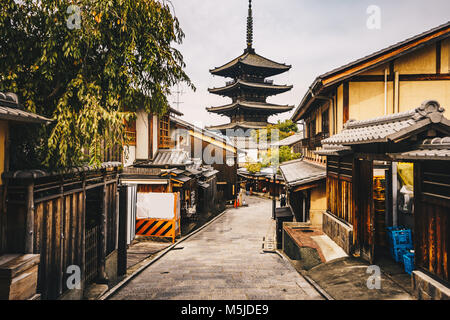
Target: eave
(346,72)
(255,106)
(240,84)
(251,60)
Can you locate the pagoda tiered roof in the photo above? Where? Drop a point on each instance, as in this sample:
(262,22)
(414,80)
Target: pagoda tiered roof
(239,85)
(250,105)
(239,125)
(249,89)
(250,63)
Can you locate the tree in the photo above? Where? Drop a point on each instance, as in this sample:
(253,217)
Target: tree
(274,157)
(278,131)
(88,67)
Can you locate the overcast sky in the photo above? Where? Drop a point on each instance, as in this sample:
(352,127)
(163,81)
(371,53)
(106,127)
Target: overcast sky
(314,36)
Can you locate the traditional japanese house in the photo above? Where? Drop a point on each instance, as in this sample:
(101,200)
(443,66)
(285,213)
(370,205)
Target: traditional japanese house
(381,84)
(12,114)
(420,137)
(213,150)
(248,89)
(302,179)
(262,183)
(68,219)
(196,164)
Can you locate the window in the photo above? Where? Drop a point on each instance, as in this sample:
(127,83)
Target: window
(325,122)
(164,139)
(312,128)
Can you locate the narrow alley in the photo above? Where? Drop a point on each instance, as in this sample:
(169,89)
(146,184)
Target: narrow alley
(224,261)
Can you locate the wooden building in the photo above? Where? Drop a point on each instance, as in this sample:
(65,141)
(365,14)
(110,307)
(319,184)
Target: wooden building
(213,150)
(68,218)
(383,83)
(417,136)
(302,179)
(23,263)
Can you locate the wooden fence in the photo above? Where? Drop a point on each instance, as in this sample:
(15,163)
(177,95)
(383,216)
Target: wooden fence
(46,214)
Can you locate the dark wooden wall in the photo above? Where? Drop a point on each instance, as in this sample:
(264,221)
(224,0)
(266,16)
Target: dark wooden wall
(363,222)
(340,188)
(59,224)
(432,221)
(227,175)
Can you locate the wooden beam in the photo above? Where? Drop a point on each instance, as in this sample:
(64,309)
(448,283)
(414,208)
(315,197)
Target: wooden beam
(305,187)
(389,55)
(402,77)
(438,56)
(346,99)
(29,232)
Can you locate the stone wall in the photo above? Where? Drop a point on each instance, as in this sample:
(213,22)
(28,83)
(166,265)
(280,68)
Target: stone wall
(426,288)
(338,231)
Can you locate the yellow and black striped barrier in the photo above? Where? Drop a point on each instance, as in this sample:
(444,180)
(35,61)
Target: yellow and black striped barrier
(158,228)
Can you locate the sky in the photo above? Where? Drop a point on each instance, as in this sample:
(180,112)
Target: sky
(314,36)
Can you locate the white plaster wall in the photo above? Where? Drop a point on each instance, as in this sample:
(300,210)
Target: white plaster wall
(142,135)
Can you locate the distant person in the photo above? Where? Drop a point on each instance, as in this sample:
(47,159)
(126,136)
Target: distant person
(283,200)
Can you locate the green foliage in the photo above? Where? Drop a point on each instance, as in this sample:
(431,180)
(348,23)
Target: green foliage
(90,79)
(254,167)
(274,157)
(278,131)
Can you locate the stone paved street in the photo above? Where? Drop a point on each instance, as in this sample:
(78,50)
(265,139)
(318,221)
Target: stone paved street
(223,262)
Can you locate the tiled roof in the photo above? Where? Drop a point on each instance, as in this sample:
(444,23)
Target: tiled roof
(10,110)
(253,60)
(206,132)
(333,150)
(383,129)
(430,149)
(274,108)
(171,157)
(36,174)
(237,125)
(299,172)
(239,84)
(289,141)
(369,61)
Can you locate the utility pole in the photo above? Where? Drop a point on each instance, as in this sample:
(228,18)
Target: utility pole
(179,93)
(274,200)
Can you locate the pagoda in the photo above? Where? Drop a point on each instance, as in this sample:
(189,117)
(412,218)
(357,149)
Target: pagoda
(249,88)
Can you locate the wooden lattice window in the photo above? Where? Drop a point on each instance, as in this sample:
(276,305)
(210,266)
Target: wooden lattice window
(164,138)
(130,132)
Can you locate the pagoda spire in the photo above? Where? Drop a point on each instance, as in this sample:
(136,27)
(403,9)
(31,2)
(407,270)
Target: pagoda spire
(250,28)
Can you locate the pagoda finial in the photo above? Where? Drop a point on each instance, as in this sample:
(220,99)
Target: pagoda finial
(250,28)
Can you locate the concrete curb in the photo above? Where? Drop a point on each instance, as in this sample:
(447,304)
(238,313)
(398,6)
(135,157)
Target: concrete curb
(114,289)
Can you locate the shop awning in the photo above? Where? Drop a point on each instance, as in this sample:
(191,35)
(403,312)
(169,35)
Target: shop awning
(300,172)
(429,149)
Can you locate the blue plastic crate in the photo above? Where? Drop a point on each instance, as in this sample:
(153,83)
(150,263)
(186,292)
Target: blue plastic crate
(401,237)
(408,261)
(398,252)
(389,232)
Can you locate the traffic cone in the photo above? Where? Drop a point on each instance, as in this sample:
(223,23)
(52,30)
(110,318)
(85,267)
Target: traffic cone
(238,204)
(235,203)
